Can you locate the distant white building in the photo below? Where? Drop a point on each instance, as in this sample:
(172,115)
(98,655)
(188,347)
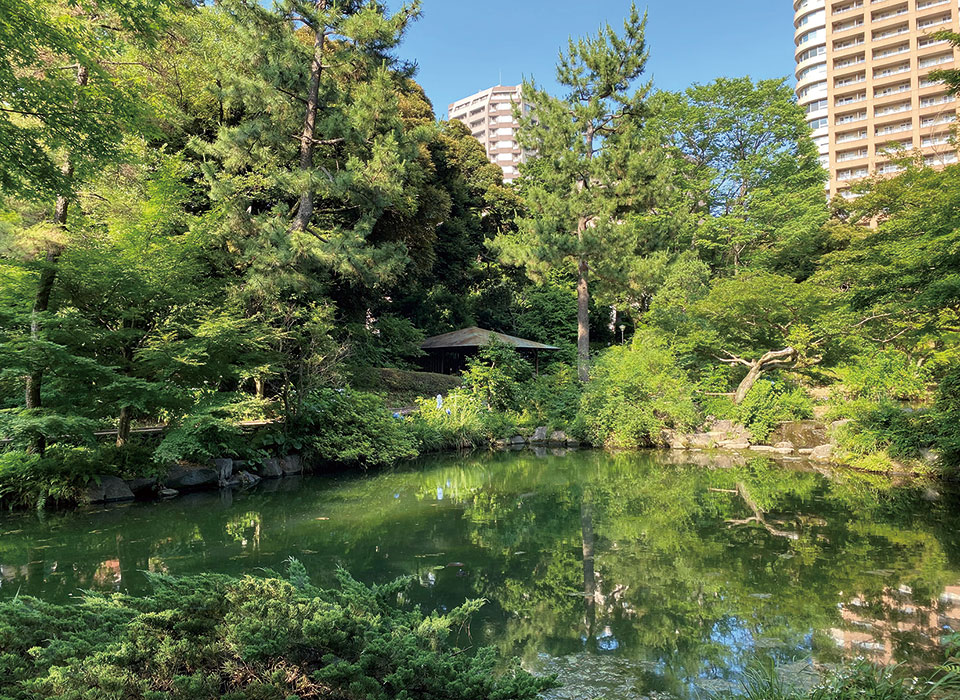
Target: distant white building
(489,116)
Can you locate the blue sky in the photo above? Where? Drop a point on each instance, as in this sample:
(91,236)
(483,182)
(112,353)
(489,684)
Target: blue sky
(463,46)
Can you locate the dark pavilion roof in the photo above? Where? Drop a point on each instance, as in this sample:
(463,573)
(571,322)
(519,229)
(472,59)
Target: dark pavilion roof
(473,337)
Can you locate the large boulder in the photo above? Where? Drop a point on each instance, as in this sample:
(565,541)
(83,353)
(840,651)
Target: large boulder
(291,465)
(108,489)
(186,478)
(539,436)
(800,434)
(145,487)
(822,453)
(224,469)
(270,468)
(703,441)
(558,437)
(518,440)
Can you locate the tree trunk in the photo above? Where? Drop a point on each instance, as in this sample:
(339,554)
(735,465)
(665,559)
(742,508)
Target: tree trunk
(48,276)
(583,322)
(309,133)
(123,426)
(771,360)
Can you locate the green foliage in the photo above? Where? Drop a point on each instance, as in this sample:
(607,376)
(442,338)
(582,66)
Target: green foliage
(636,393)
(880,434)
(886,375)
(351,427)
(251,638)
(552,399)
(946,416)
(461,422)
(211,430)
(59,477)
(770,403)
(495,375)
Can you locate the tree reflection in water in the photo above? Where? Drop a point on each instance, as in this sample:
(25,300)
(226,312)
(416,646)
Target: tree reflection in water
(625,573)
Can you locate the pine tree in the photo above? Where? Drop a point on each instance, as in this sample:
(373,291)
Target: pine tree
(593,170)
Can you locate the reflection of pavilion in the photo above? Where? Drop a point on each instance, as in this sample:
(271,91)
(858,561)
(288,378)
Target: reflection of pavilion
(877,629)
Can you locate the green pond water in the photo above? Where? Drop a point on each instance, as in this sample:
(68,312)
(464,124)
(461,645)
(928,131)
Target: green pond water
(626,574)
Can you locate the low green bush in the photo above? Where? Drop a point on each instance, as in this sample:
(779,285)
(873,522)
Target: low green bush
(880,433)
(59,477)
(211,430)
(213,636)
(346,426)
(636,392)
(460,422)
(771,402)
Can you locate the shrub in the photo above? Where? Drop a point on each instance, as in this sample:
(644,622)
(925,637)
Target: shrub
(770,403)
(884,375)
(461,422)
(636,393)
(345,426)
(553,398)
(495,375)
(210,431)
(212,636)
(59,477)
(878,434)
(946,419)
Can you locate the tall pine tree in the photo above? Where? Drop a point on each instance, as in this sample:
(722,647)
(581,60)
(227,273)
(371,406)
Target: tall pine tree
(593,170)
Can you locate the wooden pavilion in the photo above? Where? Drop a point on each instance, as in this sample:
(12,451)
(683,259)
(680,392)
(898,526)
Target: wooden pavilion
(448,353)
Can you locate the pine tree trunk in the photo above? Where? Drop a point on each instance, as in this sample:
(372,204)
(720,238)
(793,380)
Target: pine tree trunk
(775,359)
(583,321)
(48,276)
(309,133)
(123,426)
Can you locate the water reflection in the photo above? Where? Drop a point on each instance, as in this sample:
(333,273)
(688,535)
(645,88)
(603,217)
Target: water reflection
(625,574)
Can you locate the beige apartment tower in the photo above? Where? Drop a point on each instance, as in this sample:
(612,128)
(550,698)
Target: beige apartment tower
(862,77)
(489,116)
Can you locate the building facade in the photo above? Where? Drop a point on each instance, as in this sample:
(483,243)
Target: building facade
(489,116)
(862,77)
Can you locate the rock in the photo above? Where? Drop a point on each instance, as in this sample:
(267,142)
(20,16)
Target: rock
(144,487)
(185,478)
(291,464)
(224,469)
(539,435)
(822,453)
(501,444)
(168,493)
(270,468)
(801,433)
(558,437)
(783,450)
(762,448)
(786,444)
(734,445)
(674,439)
(573,443)
(518,440)
(700,440)
(110,490)
(805,451)
(243,478)
(930,457)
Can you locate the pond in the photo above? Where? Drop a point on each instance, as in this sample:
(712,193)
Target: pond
(627,574)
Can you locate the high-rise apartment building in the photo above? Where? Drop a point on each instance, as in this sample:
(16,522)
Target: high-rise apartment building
(863,78)
(489,116)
